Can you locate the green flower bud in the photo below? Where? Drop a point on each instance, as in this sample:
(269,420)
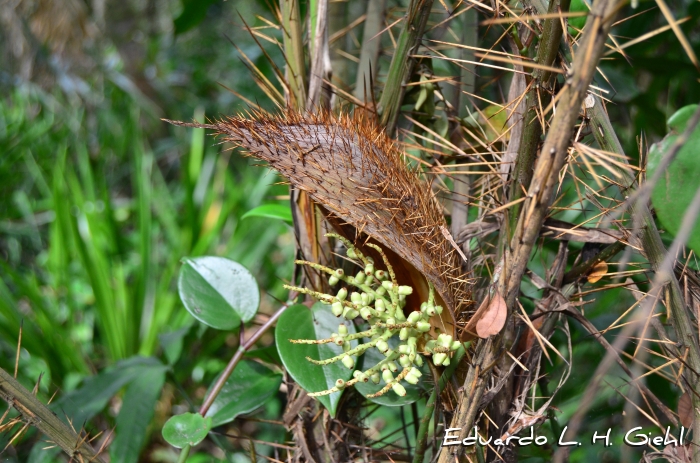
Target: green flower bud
(403,334)
(380,275)
(342,329)
(405,290)
(342,294)
(338,339)
(346,346)
(388,352)
(430,311)
(446,362)
(339,272)
(455,345)
(399,389)
(387,376)
(411,379)
(360,376)
(393,366)
(444,340)
(422,326)
(391,321)
(382,346)
(369,280)
(379,305)
(381,291)
(355,298)
(387,285)
(349,362)
(369,269)
(418,361)
(400,317)
(350,313)
(366,313)
(375,378)
(360,278)
(337,308)
(439,358)
(351,253)
(404,361)
(364,297)
(413,317)
(333,280)
(340,384)
(404,349)
(412,357)
(438,309)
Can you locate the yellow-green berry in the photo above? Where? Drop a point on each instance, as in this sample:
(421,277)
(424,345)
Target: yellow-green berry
(399,389)
(422,326)
(349,362)
(405,290)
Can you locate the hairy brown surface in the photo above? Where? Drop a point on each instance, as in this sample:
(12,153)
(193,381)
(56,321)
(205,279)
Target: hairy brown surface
(358,174)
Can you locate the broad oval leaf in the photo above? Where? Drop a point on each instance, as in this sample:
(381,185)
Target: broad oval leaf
(300,322)
(186,429)
(218,292)
(676,187)
(250,385)
(413,391)
(271,211)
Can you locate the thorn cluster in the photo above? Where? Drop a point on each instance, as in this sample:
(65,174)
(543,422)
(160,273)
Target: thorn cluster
(376,297)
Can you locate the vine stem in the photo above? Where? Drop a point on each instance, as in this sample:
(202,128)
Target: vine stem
(219,385)
(184,453)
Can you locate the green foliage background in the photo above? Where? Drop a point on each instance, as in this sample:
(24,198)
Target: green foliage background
(99,201)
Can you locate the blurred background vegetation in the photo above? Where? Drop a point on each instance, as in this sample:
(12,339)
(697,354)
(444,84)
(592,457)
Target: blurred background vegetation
(99,199)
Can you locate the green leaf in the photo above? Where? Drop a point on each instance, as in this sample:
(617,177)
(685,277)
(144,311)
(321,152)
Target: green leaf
(193,13)
(218,292)
(676,187)
(267,354)
(250,385)
(413,391)
(172,343)
(300,322)
(135,415)
(186,429)
(577,6)
(92,397)
(271,211)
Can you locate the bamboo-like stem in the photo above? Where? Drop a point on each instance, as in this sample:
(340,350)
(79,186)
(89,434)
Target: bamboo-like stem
(467,82)
(319,91)
(35,413)
(655,252)
(402,63)
(369,54)
(537,97)
(470,397)
(541,191)
(293,52)
(422,437)
(555,149)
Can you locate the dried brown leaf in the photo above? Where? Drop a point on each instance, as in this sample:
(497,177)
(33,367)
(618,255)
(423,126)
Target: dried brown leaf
(685,410)
(599,271)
